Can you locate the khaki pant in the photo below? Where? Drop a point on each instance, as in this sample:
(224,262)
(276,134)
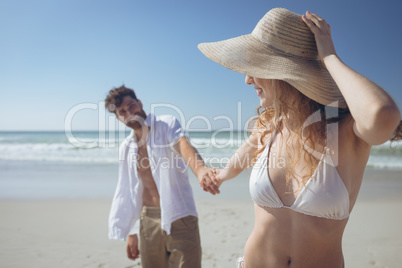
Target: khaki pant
(180,249)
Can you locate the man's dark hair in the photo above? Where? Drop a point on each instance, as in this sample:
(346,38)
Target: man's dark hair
(115,97)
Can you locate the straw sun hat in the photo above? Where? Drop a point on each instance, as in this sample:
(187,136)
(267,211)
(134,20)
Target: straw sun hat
(282,47)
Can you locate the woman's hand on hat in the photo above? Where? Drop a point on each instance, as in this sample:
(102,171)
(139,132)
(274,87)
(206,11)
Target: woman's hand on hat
(322,34)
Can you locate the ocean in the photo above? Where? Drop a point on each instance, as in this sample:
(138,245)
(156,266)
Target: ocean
(92,147)
(84,165)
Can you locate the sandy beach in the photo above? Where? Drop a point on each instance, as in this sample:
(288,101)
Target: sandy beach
(72,232)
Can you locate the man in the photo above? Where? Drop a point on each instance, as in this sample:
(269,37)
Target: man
(153,199)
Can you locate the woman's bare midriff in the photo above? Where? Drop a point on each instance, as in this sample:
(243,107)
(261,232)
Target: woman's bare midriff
(285,238)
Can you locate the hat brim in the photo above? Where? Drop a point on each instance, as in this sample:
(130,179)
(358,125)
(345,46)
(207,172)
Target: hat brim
(248,55)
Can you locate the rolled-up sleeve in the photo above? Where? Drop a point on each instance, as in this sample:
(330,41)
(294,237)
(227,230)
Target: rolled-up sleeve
(175,131)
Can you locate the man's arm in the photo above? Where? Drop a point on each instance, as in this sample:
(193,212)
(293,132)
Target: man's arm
(197,165)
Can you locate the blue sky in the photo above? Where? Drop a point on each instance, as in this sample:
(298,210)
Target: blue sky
(61,56)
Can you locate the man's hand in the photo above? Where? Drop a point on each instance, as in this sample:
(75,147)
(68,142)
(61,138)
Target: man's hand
(206,178)
(132,247)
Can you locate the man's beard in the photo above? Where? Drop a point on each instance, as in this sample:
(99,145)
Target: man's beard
(138,121)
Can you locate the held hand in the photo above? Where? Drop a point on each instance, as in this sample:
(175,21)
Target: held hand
(205,178)
(218,179)
(132,247)
(322,34)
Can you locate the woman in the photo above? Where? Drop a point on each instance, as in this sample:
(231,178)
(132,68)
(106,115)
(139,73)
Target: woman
(310,145)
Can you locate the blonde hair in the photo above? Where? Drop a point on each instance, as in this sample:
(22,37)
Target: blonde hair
(288,101)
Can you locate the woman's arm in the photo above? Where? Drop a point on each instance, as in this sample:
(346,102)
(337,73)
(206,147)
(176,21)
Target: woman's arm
(375,113)
(240,160)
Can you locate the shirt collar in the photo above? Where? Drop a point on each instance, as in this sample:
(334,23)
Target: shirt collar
(149,121)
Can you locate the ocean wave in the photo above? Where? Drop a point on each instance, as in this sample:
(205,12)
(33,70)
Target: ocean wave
(385,151)
(46,147)
(68,159)
(90,148)
(60,152)
(385,161)
(216,143)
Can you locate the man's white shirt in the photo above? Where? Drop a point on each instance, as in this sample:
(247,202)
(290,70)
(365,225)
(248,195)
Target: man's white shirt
(169,171)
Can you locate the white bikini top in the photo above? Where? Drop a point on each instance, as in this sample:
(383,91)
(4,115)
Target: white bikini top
(324,195)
